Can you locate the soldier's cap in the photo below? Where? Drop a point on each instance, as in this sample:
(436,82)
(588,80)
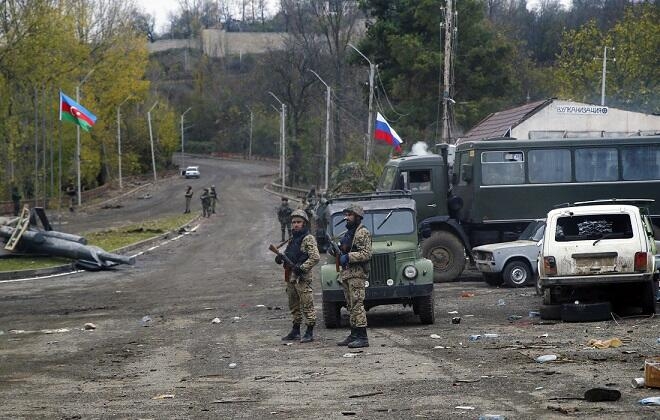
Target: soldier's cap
(355,209)
(301,214)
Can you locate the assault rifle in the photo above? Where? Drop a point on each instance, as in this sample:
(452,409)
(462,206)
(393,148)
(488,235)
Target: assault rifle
(335,250)
(288,265)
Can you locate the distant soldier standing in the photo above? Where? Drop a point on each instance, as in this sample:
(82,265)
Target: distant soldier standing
(16,199)
(214,198)
(189,196)
(206,203)
(355,247)
(284,216)
(304,254)
(71,192)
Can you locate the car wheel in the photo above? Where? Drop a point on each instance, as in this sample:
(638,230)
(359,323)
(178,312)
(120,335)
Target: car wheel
(447,253)
(550,312)
(426,309)
(493,279)
(649,297)
(586,312)
(331,314)
(517,274)
(538,287)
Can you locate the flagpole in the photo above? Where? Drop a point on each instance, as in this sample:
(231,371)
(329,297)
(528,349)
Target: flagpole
(79,191)
(328,94)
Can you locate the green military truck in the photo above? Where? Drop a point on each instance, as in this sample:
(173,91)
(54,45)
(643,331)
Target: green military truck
(398,274)
(496,187)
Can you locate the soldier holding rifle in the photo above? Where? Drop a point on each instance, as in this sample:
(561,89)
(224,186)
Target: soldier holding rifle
(299,257)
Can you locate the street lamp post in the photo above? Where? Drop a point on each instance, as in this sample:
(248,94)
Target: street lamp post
(372,72)
(183,154)
(250,144)
(78,139)
(151,138)
(328,93)
(121,185)
(283,139)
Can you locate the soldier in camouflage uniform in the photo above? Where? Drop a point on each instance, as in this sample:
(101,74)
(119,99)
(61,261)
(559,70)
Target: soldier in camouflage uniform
(304,254)
(284,216)
(189,196)
(206,203)
(355,247)
(214,198)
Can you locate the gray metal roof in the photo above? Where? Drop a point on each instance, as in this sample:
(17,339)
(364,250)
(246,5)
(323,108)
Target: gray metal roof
(499,124)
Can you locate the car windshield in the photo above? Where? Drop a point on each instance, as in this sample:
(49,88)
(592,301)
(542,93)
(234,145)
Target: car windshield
(593,226)
(380,222)
(533,231)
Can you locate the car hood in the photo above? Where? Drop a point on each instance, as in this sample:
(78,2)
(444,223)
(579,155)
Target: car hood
(504,245)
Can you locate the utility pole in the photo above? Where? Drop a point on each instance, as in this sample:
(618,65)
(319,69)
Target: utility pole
(151,139)
(78,139)
(447,73)
(604,76)
(283,139)
(183,155)
(251,123)
(372,74)
(328,94)
(121,185)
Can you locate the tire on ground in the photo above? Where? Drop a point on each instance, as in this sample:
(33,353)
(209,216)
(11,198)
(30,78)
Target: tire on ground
(517,274)
(493,279)
(447,253)
(331,314)
(649,293)
(550,312)
(426,309)
(586,312)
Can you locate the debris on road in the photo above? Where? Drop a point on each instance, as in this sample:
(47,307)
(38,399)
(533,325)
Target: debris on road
(435,336)
(232,365)
(604,344)
(602,394)
(650,401)
(501,302)
(146,320)
(546,358)
(514,317)
(90,326)
(369,394)
(467,294)
(637,382)
(216,321)
(464,407)
(456,320)
(163,397)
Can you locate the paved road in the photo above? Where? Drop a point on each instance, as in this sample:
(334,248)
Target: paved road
(177,364)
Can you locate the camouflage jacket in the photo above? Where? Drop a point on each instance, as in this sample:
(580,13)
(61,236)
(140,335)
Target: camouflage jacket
(359,255)
(309,247)
(189,193)
(284,214)
(205,197)
(213,193)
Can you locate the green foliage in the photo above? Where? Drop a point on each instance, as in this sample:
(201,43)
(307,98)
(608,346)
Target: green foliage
(352,177)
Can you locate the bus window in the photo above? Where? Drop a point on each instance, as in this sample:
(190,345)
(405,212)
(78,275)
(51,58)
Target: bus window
(420,180)
(549,165)
(502,168)
(640,162)
(596,164)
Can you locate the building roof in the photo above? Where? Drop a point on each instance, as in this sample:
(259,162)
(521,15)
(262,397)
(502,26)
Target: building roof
(499,124)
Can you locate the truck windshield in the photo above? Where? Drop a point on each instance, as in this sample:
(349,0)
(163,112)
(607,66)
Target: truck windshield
(380,223)
(386,181)
(533,231)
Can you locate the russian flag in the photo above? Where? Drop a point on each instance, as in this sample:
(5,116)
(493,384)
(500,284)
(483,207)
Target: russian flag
(386,133)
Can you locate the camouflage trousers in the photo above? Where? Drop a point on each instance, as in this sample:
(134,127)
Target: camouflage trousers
(301,302)
(354,295)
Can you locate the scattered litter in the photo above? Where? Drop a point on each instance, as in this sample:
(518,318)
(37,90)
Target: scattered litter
(287,344)
(216,321)
(534,314)
(232,365)
(467,294)
(441,347)
(542,336)
(348,413)
(258,378)
(492,417)
(514,317)
(604,344)
(629,352)
(145,197)
(650,401)
(349,355)
(456,313)
(474,337)
(467,316)
(146,320)
(467,381)
(90,326)
(236,318)
(637,382)
(209,309)
(491,335)
(546,358)
(260,306)
(602,394)
(58,330)
(501,302)
(369,394)
(464,407)
(456,320)
(163,397)
(538,388)
(435,336)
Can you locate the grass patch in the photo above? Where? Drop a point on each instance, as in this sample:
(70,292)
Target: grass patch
(109,240)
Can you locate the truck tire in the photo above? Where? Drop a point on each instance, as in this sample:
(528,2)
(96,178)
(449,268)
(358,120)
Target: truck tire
(447,253)
(586,312)
(426,309)
(649,297)
(517,274)
(551,312)
(493,279)
(331,314)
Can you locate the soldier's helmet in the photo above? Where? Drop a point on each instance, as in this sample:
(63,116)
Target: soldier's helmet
(355,209)
(285,200)
(301,214)
(213,187)
(206,189)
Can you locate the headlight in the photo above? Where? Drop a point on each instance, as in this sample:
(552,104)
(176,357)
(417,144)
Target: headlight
(410,272)
(484,256)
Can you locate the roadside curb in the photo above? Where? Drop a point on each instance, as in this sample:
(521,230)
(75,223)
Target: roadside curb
(71,268)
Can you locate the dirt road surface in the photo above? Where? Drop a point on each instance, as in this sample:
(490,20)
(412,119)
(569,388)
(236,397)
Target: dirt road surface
(156,354)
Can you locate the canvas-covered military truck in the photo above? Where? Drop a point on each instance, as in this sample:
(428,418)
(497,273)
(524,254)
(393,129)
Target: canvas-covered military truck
(397,272)
(496,187)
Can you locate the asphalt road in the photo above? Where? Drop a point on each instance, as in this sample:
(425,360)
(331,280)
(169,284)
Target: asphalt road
(156,354)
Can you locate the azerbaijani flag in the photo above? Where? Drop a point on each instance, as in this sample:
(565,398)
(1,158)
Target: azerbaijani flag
(386,133)
(72,111)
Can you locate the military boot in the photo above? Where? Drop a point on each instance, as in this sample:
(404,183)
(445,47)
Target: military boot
(309,335)
(351,337)
(294,334)
(361,340)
